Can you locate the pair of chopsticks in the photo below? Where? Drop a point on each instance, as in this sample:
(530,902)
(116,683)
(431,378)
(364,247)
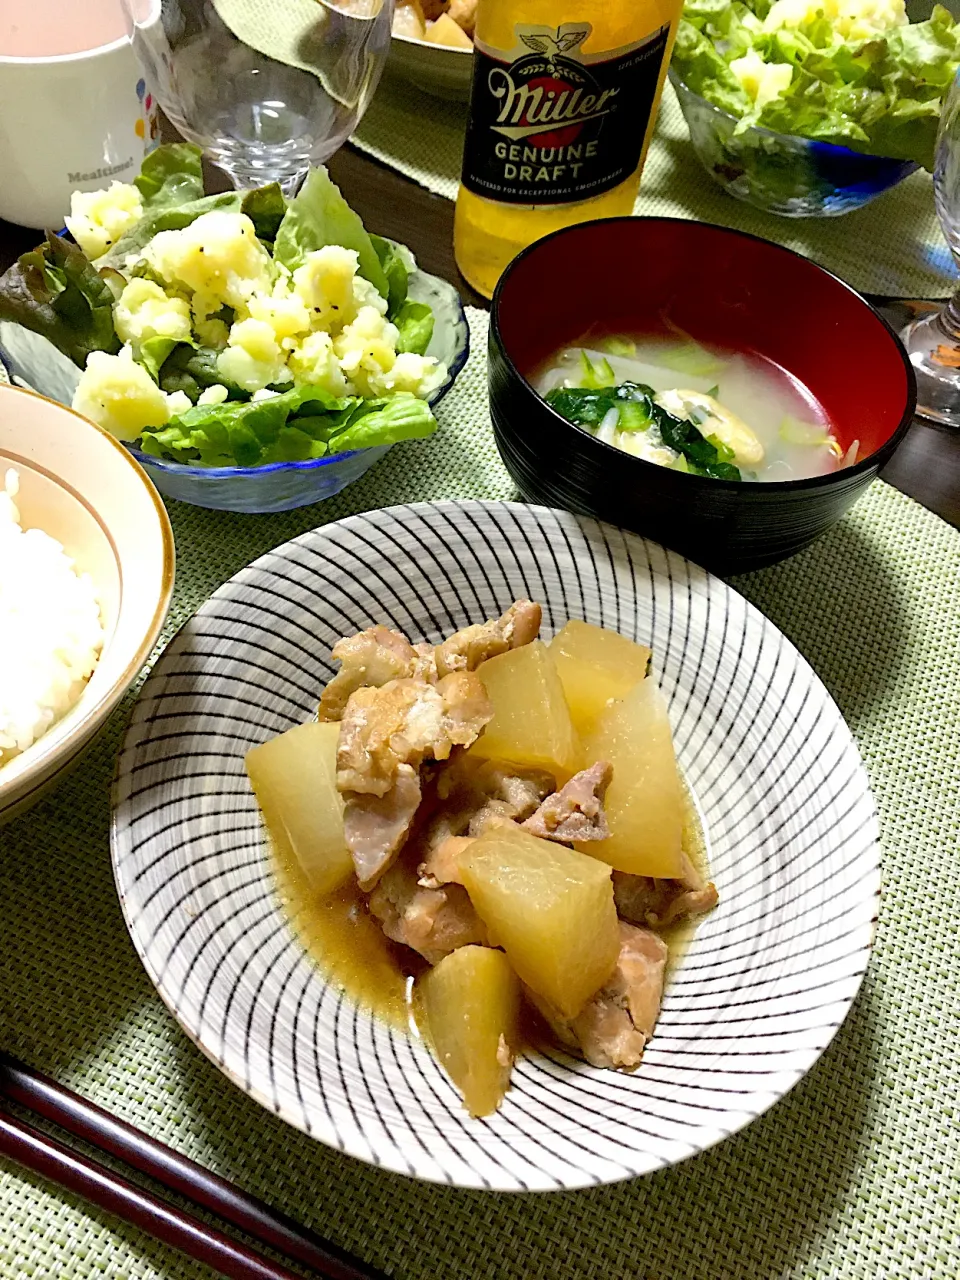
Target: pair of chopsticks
(35,1150)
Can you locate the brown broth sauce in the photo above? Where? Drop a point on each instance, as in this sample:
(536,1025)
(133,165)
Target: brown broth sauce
(349,946)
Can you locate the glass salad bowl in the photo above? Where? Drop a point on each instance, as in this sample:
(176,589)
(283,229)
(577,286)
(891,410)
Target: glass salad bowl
(34,362)
(789,176)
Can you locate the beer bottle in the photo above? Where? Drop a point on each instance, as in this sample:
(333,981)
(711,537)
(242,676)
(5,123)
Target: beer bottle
(564,99)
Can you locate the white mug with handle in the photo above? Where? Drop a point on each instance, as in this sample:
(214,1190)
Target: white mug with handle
(75,113)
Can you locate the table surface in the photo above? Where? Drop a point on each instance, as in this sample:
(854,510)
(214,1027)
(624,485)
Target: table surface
(926,466)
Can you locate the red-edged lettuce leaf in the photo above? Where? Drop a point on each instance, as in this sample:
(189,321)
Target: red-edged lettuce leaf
(55,290)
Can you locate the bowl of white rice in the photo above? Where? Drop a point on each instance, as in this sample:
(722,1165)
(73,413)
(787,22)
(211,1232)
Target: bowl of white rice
(86,574)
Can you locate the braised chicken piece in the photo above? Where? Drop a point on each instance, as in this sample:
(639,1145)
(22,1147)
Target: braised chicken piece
(575,812)
(375,827)
(614,1026)
(406,722)
(657,903)
(385,736)
(382,729)
(466,649)
(466,710)
(442,865)
(471,796)
(426,667)
(506,794)
(372,658)
(464,14)
(433,922)
(468,782)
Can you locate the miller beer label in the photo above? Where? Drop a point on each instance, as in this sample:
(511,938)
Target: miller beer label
(552,125)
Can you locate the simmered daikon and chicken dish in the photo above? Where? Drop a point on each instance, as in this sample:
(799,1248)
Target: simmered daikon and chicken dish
(491,833)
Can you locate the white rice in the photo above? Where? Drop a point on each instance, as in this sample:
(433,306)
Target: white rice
(50,629)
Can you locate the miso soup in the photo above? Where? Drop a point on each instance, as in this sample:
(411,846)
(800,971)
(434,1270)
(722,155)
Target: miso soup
(681,405)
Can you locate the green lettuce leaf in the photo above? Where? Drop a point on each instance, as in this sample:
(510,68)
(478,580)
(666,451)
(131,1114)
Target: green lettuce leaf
(248,434)
(701,12)
(54,290)
(191,368)
(170,175)
(171,184)
(171,218)
(925,51)
(880,96)
(317,216)
(293,444)
(395,269)
(265,207)
(812,109)
(414,322)
(302,423)
(384,421)
(704,71)
(154,352)
(788,46)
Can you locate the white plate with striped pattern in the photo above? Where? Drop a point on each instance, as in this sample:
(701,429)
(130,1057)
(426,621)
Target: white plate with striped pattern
(790,822)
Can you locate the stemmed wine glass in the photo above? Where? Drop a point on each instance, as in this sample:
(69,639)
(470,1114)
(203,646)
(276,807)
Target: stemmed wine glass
(933,342)
(265,87)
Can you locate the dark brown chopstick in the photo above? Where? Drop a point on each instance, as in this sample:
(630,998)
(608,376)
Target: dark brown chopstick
(107,1190)
(43,1096)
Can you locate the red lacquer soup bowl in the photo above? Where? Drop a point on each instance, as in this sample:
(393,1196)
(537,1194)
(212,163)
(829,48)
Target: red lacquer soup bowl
(652,275)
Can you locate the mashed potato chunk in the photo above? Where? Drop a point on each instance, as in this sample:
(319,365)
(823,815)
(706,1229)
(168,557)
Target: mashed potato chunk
(216,394)
(283,310)
(119,395)
(253,358)
(315,363)
(211,331)
(762,81)
(144,310)
(325,285)
(99,218)
(417,374)
(366,294)
(367,348)
(851,19)
(218,257)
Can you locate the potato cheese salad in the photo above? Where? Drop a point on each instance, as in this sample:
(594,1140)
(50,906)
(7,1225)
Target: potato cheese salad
(492,835)
(235,329)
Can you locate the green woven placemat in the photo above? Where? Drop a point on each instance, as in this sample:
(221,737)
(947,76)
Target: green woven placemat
(893,246)
(852,1175)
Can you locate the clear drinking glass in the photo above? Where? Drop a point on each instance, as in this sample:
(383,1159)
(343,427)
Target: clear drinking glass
(933,343)
(265,87)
